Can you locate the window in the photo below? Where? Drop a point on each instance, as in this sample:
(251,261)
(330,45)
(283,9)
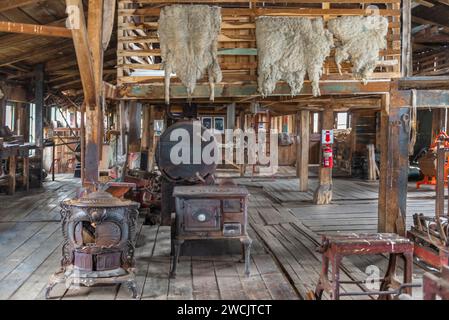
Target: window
(316,123)
(342,120)
(9,115)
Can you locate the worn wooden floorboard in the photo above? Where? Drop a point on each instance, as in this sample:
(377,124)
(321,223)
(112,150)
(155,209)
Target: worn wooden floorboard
(285,234)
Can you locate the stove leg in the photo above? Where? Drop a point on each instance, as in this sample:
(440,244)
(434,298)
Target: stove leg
(132,287)
(55,279)
(247,242)
(177,244)
(50,287)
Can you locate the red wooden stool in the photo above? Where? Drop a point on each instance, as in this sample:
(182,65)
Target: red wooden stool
(334,247)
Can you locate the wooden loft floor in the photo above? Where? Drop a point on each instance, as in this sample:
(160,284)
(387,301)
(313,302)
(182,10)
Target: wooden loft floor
(285,264)
(138,50)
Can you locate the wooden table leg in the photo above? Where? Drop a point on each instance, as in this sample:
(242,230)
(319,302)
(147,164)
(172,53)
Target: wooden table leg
(26,173)
(336,260)
(408,271)
(324,278)
(386,282)
(12,175)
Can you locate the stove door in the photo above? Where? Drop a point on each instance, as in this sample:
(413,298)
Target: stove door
(202,215)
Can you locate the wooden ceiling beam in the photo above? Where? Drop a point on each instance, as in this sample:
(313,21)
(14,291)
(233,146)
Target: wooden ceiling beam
(35,29)
(37,53)
(12,4)
(83,53)
(419,20)
(178,91)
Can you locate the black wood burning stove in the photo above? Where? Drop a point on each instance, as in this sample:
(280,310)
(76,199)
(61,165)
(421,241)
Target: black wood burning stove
(203,209)
(211,212)
(98,248)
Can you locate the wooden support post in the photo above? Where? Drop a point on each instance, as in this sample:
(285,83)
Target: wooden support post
(38,116)
(16,118)
(406,58)
(393,167)
(146,115)
(323,194)
(2,111)
(88,41)
(148,134)
(123,107)
(438,122)
(302,148)
(26,173)
(25,122)
(152,144)
(242,167)
(135,116)
(230,116)
(39,104)
(12,174)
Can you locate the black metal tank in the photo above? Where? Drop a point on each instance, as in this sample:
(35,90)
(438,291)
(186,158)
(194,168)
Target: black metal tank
(188,171)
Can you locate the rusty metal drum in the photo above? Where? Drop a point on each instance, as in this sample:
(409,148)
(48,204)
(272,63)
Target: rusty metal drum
(184,151)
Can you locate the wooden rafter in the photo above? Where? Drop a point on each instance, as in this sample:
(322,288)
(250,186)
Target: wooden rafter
(83,54)
(12,4)
(38,52)
(34,29)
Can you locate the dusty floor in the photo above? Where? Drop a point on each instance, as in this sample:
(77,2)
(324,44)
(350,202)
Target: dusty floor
(284,225)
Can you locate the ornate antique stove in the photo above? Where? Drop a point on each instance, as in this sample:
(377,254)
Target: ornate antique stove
(211,212)
(98,248)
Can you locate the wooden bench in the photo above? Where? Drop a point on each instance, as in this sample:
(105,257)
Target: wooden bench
(335,246)
(14,153)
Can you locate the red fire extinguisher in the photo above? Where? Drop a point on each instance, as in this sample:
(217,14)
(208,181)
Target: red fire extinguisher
(328,159)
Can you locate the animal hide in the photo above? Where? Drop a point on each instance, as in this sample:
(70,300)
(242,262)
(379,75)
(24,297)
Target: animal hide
(188,37)
(288,48)
(360,39)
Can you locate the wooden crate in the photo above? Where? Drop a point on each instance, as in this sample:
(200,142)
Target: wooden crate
(138,44)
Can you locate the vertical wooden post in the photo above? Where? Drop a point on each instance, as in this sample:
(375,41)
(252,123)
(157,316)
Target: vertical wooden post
(94,110)
(438,120)
(302,148)
(135,114)
(406,58)
(230,116)
(39,104)
(323,194)
(38,116)
(148,134)
(151,144)
(123,125)
(17,117)
(146,121)
(2,111)
(25,124)
(12,174)
(393,167)
(26,173)
(242,167)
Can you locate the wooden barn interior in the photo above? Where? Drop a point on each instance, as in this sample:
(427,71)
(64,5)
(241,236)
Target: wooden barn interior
(87,195)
